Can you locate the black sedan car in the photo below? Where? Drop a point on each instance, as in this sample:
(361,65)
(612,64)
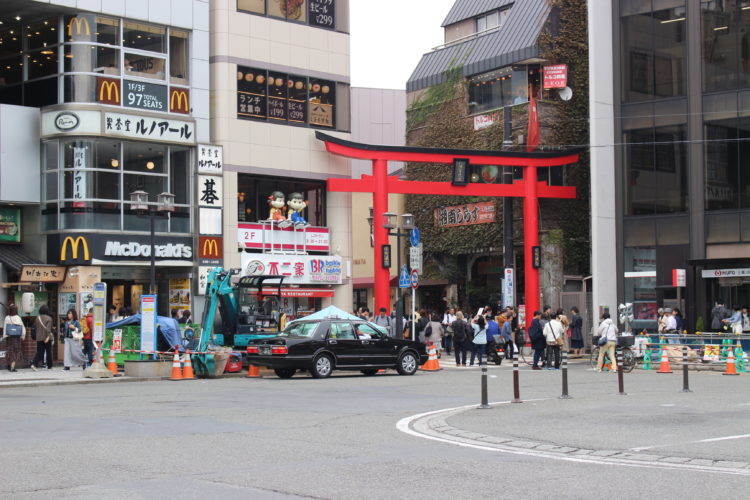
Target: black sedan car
(322,346)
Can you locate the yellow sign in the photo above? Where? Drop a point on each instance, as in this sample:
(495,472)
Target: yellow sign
(74,244)
(109,91)
(179,102)
(80,22)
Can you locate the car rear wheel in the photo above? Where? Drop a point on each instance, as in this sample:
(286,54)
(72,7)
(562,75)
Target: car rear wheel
(322,366)
(285,372)
(407,364)
(369,372)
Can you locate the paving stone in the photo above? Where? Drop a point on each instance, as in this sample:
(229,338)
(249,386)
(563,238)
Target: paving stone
(733,465)
(675,460)
(453,431)
(605,453)
(471,435)
(582,451)
(494,439)
(643,457)
(701,461)
(523,444)
(566,449)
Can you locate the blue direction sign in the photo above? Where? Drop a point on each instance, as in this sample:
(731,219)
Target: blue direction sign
(403,280)
(414,237)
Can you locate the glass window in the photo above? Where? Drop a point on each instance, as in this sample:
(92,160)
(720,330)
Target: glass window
(481,24)
(11,70)
(152,184)
(277,109)
(79,88)
(294,10)
(40,93)
(49,217)
(669,51)
(254,6)
(251,93)
(671,165)
(722,161)
(143,36)
(11,95)
(41,64)
(726,43)
(178,57)
(341,331)
(92,28)
(144,157)
(493,20)
(144,66)
(91,59)
(10,40)
(640,182)
(322,101)
(179,182)
(50,155)
(297,97)
(50,186)
(491,90)
(253,192)
(41,34)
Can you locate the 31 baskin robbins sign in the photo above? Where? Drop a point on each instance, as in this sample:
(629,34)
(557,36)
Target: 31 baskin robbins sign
(298,269)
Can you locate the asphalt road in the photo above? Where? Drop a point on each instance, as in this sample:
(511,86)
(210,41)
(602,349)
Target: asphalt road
(338,438)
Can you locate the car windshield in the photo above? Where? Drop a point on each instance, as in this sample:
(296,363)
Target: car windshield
(299,329)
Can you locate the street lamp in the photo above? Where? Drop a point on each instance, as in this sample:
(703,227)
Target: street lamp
(390,222)
(164,205)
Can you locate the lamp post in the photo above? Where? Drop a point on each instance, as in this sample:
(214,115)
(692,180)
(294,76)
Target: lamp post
(164,205)
(390,224)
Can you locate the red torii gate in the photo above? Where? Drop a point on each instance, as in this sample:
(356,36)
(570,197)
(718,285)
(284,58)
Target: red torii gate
(380,184)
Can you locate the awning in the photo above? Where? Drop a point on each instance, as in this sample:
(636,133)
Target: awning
(13,258)
(368,282)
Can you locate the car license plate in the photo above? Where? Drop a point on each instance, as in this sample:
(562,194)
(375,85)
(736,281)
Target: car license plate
(264,350)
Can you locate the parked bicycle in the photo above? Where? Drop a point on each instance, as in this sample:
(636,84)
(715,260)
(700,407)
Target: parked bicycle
(629,361)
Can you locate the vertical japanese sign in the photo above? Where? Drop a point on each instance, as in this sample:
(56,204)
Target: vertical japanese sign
(79,176)
(100,306)
(210,168)
(210,159)
(210,191)
(508,288)
(148,323)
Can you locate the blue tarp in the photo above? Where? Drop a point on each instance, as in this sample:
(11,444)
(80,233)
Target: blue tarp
(329,312)
(168,327)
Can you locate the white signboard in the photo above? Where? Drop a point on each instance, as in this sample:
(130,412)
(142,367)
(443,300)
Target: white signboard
(484,121)
(260,236)
(79,174)
(724,273)
(148,323)
(298,269)
(415,257)
(70,122)
(155,129)
(210,191)
(209,220)
(508,288)
(210,159)
(203,279)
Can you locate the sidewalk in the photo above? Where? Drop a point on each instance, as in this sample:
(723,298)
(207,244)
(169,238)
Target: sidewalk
(26,377)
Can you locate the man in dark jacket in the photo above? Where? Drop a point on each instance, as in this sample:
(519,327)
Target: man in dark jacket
(460,338)
(538,342)
(718,314)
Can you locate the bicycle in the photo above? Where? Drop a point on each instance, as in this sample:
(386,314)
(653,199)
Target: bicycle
(629,361)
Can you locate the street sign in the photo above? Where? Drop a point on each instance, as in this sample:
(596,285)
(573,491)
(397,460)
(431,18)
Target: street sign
(679,277)
(415,257)
(414,237)
(508,292)
(100,310)
(403,279)
(414,278)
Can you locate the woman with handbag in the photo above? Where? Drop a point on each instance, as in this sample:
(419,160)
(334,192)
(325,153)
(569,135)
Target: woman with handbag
(479,342)
(607,341)
(43,324)
(553,334)
(13,334)
(73,335)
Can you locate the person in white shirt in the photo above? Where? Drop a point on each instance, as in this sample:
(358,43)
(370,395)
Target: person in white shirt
(448,318)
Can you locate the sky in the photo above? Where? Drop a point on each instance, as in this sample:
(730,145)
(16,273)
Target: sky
(388,37)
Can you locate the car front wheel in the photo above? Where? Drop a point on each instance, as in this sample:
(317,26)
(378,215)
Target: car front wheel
(322,366)
(407,364)
(285,372)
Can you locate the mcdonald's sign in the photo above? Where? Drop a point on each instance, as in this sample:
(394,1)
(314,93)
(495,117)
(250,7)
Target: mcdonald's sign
(108,91)
(179,101)
(74,244)
(79,27)
(210,248)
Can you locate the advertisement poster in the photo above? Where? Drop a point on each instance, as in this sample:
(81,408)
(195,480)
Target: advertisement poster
(179,294)
(87,302)
(66,302)
(148,323)
(117,340)
(39,299)
(10,225)
(100,299)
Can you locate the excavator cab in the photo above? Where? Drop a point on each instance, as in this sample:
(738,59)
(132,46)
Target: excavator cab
(259,311)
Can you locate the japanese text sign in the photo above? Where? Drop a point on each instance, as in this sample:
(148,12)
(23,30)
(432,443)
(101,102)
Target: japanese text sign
(465,215)
(142,127)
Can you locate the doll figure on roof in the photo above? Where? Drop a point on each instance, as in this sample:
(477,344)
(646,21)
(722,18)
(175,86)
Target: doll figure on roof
(276,203)
(297,204)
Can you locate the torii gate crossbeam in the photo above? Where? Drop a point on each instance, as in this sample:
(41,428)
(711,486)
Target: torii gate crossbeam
(380,184)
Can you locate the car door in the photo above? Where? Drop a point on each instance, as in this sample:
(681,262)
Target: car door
(342,341)
(378,349)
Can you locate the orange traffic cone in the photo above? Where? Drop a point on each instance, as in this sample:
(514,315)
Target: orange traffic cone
(664,365)
(176,368)
(111,361)
(432,364)
(731,368)
(188,370)
(253,371)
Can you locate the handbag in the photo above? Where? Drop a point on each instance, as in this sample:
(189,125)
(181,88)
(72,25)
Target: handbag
(13,330)
(603,338)
(77,334)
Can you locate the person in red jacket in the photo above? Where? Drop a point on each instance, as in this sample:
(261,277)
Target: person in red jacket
(88,328)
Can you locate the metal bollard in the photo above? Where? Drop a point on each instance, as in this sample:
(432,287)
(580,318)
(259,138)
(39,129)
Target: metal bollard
(516,386)
(620,381)
(565,394)
(685,384)
(485,404)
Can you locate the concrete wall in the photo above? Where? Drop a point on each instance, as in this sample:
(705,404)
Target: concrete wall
(19,154)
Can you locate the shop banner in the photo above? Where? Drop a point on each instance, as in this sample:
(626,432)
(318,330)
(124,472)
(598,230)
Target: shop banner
(148,323)
(147,128)
(465,215)
(210,192)
(72,249)
(210,159)
(298,269)
(43,274)
(149,96)
(179,294)
(100,309)
(10,225)
(555,77)
(257,235)
(725,273)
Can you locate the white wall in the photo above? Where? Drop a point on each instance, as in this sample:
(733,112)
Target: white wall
(601,114)
(19,154)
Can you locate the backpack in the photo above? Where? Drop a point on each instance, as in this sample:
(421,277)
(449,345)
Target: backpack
(33,329)
(459,330)
(428,331)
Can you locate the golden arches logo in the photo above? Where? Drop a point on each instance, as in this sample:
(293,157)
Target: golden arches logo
(210,248)
(181,99)
(74,244)
(111,87)
(79,23)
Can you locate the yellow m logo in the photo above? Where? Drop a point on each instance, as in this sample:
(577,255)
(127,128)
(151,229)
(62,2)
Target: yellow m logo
(210,248)
(179,101)
(110,87)
(79,22)
(74,244)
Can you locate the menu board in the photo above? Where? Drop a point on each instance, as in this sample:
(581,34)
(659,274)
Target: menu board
(296,110)
(322,13)
(277,108)
(251,105)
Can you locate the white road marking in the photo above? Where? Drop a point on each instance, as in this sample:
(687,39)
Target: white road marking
(710,440)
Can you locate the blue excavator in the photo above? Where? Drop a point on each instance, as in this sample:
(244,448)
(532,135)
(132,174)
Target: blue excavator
(237,311)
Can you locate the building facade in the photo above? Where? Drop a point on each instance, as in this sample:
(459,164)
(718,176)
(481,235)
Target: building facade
(279,72)
(679,79)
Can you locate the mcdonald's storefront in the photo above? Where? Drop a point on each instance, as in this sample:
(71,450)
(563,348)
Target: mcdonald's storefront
(123,262)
